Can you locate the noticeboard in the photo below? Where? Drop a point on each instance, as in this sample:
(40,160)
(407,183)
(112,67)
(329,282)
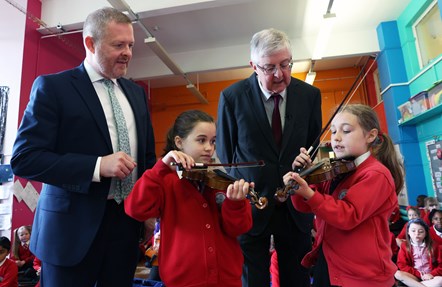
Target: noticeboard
(434,149)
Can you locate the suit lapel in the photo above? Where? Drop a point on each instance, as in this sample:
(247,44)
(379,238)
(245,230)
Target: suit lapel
(259,112)
(85,89)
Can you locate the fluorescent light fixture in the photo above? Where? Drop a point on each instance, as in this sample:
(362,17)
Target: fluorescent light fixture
(197,93)
(120,5)
(310,78)
(327,24)
(163,55)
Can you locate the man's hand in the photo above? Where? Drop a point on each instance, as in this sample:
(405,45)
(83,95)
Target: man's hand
(118,164)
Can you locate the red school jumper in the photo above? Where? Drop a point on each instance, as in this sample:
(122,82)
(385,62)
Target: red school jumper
(353,226)
(24,253)
(199,246)
(8,274)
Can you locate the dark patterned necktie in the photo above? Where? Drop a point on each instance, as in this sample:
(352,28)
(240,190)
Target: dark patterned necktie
(276,120)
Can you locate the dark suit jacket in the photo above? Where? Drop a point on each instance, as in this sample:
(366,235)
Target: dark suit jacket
(62,133)
(244,134)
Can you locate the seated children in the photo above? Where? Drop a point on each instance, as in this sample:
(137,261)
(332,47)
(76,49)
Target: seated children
(419,261)
(22,254)
(412,213)
(8,268)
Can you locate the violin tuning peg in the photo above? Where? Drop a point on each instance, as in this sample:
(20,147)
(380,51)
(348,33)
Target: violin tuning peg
(298,169)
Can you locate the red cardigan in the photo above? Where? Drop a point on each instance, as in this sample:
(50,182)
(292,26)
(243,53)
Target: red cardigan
(405,261)
(24,254)
(199,232)
(9,274)
(353,226)
(437,240)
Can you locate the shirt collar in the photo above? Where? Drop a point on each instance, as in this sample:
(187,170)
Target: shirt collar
(417,244)
(267,94)
(94,75)
(437,232)
(360,159)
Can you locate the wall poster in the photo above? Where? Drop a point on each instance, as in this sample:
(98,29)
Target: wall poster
(434,149)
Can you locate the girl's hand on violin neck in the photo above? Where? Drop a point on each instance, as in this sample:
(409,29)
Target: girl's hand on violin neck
(303,189)
(239,189)
(302,160)
(185,160)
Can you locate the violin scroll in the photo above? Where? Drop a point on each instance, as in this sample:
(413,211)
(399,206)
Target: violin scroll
(259,202)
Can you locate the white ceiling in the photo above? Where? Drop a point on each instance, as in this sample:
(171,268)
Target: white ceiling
(209,39)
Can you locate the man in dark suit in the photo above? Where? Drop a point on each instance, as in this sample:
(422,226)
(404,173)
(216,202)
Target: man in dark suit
(245,133)
(68,139)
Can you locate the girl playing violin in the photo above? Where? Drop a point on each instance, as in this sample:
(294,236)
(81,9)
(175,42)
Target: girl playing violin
(353,238)
(199,225)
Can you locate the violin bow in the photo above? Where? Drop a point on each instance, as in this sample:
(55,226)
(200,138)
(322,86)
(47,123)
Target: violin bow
(344,101)
(232,165)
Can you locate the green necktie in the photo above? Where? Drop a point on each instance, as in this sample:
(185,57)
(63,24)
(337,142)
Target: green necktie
(123,187)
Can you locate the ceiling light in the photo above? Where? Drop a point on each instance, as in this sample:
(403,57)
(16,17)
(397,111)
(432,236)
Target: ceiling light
(327,24)
(163,55)
(310,77)
(197,93)
(120,5)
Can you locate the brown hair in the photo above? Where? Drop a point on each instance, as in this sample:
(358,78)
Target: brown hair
(382,148)
(183,126)
(428,241)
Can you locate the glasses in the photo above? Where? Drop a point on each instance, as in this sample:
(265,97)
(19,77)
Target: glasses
(272,69)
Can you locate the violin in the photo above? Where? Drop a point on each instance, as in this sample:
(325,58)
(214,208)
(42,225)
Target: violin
(220,180)
(326,169)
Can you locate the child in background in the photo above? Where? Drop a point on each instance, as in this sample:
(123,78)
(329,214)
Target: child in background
(22,254)
(412,213)
(199,225)
(435,217)
(37,268)
(8,268)
(419,261)
(430,204)
(152,254)
(353,238)
(420,203)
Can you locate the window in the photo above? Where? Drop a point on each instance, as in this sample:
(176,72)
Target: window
(428,33)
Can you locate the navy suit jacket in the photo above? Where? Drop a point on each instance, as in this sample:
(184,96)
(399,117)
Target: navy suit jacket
(244,134)
(62,133)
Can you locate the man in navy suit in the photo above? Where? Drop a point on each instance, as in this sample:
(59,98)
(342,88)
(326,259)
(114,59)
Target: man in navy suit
(244,134)
(68,140)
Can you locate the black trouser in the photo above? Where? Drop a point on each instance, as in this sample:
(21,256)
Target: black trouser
(321,278)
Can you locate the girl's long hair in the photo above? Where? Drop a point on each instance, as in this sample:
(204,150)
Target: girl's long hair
(427,240)
(382,148)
